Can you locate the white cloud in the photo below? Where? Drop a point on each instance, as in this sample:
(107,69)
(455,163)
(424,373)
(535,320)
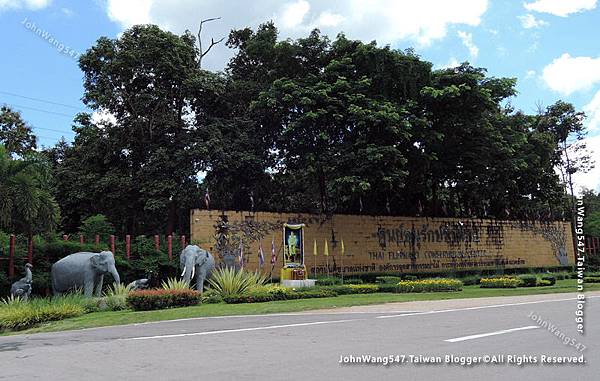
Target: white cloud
(561,8)
(452,62)
(530,74)
(591,179)
(567,74)
(592,111)
(32,5)
(293,13)
(529,21)
(131,12)
(467,40)
(387,21)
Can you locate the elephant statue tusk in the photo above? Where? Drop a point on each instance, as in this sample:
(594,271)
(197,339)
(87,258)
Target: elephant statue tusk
(193,272)
(183,271)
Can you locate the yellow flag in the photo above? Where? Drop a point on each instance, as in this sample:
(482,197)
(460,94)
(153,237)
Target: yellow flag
(315,248)
(343,249)
(326,250)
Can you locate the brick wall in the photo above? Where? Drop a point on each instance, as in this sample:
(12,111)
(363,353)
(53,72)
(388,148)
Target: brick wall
(403,244)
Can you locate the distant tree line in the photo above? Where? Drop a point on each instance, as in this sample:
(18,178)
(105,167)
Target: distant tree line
(306,125)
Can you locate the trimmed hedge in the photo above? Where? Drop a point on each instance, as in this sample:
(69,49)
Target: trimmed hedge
(146,300)
(591,279)
(387,279)
(528,280)
(328,281)
(346,289)
(270,294)
(548,278)
(499,283)
(544,282)
(429,285)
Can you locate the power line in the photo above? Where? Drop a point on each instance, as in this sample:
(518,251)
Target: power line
(53,130)
(40,100)
(41,110)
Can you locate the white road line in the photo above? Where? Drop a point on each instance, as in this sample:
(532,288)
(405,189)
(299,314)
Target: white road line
(240,330)
(478,308)
(471,337)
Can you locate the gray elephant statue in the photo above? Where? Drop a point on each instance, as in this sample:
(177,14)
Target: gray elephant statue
(85,270)
(197,262)
(139,284)
(22,287)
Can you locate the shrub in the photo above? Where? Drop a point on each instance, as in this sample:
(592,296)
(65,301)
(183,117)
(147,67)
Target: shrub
(388,287)
(17,315)
(269,294)
(229,281)
(328,281)
(527,280)
(211,297)
(499,282)
(175,284)
(561,275)
(345,289)
(387,279)
(430,285)
(309,293)
(471,280)
(410,277)
(353,281)
(591,279)
(145,300)
(544,282)
(549,278)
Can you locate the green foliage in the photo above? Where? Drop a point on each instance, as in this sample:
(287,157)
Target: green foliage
(548,278)
(591,279)
(15,134)
(430,285)
(544,282)
(328,281)
(528,280)
(96,224)
(353,281)
(18,315)
(272,293)
(211,297)
(471,280)
(345,289)
(387,279)
(499,282)
(146,300)
(229,281)
(175,284)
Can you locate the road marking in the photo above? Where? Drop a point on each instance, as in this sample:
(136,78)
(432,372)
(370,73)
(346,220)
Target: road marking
(241,329)
(471,337)
(477,308)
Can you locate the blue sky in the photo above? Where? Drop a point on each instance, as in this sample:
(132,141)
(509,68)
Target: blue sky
(550,46)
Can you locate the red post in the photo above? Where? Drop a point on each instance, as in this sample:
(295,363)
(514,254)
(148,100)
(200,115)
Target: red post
(65,237)
(182,238)
(81,239)
(97,240)
(157,242)
(11,256)
(30,251)
(170,246)
(128,246)
(112,244)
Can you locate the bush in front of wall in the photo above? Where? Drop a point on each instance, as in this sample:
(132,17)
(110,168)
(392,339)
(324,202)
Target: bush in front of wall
(146,300)
(528,280)
(499,283)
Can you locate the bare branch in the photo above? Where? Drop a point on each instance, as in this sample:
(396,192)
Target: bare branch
(212,41)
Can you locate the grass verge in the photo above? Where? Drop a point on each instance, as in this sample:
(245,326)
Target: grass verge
(101,319)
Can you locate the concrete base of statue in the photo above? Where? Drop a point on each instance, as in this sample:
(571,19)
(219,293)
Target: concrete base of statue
(298,283)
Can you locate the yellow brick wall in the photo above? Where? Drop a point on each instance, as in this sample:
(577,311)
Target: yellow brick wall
(402,244)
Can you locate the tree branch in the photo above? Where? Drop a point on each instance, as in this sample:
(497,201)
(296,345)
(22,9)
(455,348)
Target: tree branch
(212,41)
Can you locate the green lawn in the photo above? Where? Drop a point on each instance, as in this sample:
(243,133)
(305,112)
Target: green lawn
(100,319)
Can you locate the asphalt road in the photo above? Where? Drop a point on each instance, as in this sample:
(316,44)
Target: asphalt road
(308,346)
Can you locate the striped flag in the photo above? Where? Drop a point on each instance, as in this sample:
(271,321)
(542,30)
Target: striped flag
(261,255)
(207,199)
(273,255)
(241,258)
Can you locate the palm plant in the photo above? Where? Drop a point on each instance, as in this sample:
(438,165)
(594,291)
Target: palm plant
(175,284)
(26,201)
(229,281)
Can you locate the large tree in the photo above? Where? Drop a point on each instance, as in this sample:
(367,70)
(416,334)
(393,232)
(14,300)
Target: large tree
(16,136)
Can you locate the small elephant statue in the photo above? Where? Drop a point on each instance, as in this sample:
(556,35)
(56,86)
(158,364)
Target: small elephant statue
(85,270)
(22,288)
(139,284)
(197,262)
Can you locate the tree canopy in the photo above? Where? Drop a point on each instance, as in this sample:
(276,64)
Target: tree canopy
(311,124)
